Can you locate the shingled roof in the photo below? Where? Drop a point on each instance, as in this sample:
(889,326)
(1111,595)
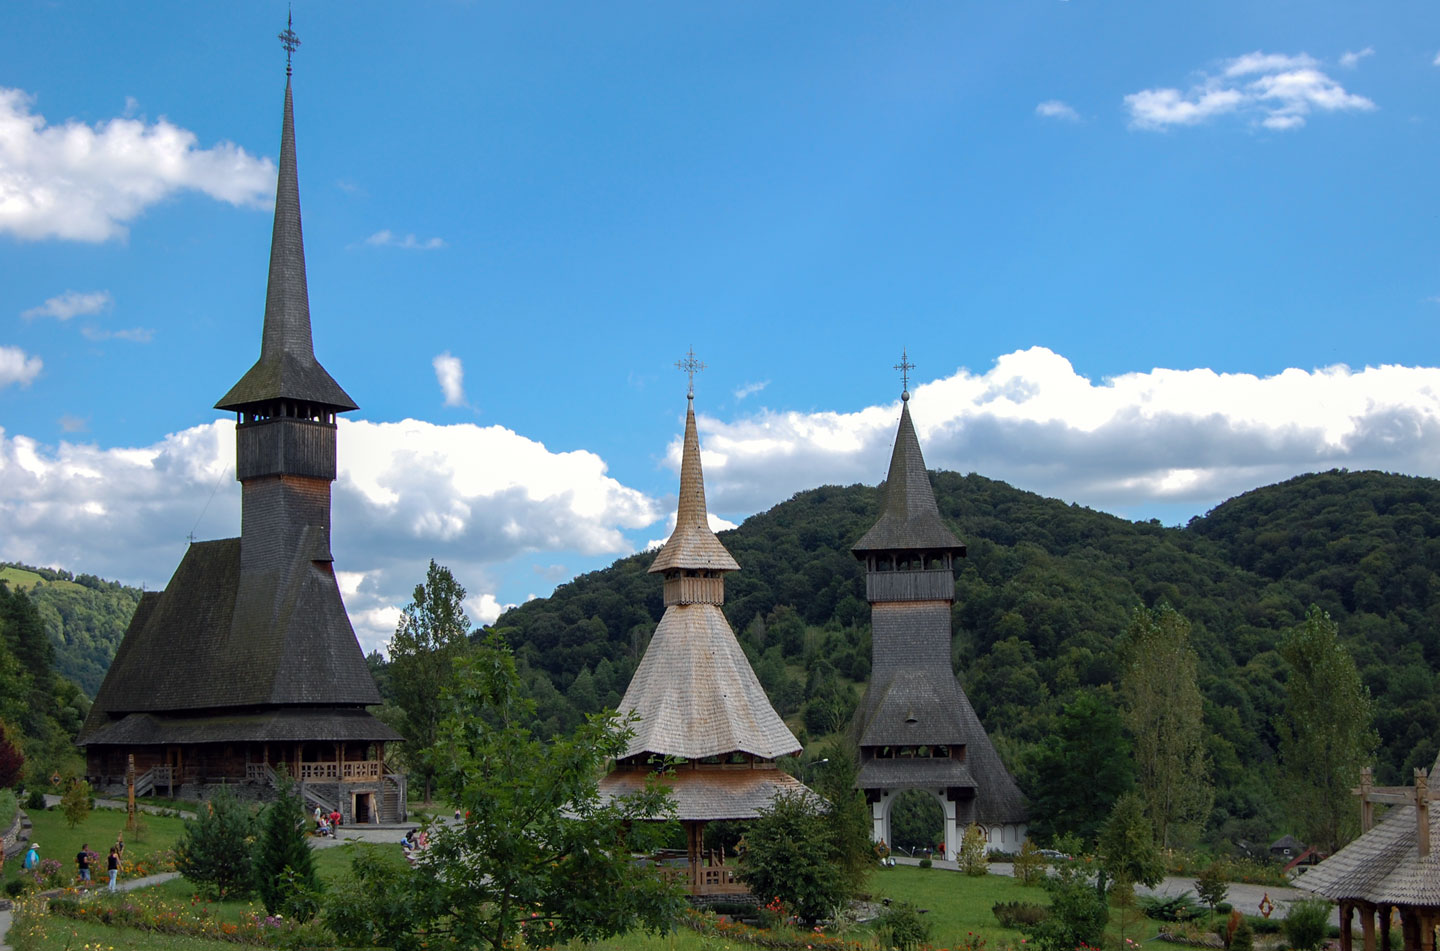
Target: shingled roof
(909,519)
(692,545)
(710,795)
(696,694)
(1383,865)
(214,640)
(287,368)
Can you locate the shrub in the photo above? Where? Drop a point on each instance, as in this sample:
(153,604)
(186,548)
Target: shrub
(214,851)
(1244,937)
(1018,914)
(77,802)
(1029,864)
(903,926)
(1078,912)
(15,887)
(1179,907)
(35,801)
(972,852)
(925,862)
(1306,923)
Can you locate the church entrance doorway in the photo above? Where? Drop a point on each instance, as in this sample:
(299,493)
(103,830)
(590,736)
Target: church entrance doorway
(364,810)
(917,822)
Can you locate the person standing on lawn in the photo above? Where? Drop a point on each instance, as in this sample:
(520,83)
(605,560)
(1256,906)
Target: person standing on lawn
(82,861)
(113,864)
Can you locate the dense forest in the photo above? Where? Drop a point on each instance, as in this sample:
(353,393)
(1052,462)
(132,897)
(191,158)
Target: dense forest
(84,616)
(1040,600)
(40,710)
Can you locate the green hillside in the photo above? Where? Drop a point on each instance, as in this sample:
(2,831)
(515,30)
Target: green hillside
(84,616)
(1046,589)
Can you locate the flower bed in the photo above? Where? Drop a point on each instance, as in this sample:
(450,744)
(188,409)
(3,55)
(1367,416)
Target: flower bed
(174,918)
(779,938)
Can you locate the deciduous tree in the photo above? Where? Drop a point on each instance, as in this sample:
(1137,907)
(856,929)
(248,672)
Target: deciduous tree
(1165,713)
(430,635)
(1325,731)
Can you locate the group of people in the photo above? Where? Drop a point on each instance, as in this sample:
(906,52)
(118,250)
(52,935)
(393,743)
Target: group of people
(83,858)
(326,823)
(413,841)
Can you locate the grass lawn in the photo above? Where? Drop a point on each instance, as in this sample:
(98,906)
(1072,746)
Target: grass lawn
(58,841)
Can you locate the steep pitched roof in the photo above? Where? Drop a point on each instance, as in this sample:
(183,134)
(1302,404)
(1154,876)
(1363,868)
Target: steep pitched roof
(710,795)
(696,695)
(926,708)
(910,518)
(287,368)
(1384,865)
(218,638)
(692,544)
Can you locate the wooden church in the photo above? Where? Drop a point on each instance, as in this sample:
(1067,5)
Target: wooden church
(915,728)
(247,660)
(696,696)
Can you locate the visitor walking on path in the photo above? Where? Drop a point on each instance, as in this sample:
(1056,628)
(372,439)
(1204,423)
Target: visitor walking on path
(82,861)
(113,864)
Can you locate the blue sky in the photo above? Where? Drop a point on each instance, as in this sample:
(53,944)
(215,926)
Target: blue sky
(1145,256)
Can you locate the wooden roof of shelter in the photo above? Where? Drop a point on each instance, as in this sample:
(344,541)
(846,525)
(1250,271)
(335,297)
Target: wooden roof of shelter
(1392,862)
(711,795)
(692,545)
(909,518)
(265,726)
(287,368)
(694,691)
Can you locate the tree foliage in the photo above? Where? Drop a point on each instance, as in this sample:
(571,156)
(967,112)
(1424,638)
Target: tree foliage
(1077,772)
(283,848)
(793,856)
(431,633)
(1127,845)
(1166,717)
(75,804)
(1325,732)
(215,851)
(1078,913)
(972,858)
(849,816)
(538,846)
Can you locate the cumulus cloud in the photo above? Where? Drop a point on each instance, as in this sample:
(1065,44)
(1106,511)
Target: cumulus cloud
(1351,58)
(134,334)
(450,374)
(71,304)
(388,239)
(1163,436)
(16,366)
(1057,109)
(1277,91)
(468,496)
(79,182)
(750,389)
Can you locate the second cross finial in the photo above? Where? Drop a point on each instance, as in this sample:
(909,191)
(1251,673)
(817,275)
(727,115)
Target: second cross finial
(904,366)
(691,366)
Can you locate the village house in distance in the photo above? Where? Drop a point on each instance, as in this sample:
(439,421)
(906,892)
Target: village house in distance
(247,659)
(915,728)
(696,696)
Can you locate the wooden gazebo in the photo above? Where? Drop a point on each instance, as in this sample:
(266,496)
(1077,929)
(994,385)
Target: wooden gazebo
(1390,868)
(697,699)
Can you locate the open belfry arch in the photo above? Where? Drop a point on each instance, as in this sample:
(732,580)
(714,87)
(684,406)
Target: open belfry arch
(915,728)
(1391,869)
(247,660)
(698,701)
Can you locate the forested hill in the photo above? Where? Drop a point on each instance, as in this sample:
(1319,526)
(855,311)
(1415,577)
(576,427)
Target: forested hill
(1045,590)
(84,616)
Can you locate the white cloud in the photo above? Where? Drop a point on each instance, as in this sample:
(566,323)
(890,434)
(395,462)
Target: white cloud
(16,366)
(1277,91)
(1351,58)
(1193,436)
(450,374)
(750,389)
(388,239)
(86,183)
(71,304)
(468,496)
(1057,109)
(134,334)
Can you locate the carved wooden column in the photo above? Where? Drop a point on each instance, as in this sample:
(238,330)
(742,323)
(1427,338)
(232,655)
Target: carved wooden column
(1347,914)
(1384,911)
(1367,925)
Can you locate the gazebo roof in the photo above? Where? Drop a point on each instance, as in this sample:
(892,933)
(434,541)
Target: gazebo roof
(711,795)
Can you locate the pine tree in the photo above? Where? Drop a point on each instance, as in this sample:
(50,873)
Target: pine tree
(214,850)
(284,866)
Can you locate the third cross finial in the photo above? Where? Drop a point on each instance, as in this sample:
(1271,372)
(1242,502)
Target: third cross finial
(691,366)
(904,366)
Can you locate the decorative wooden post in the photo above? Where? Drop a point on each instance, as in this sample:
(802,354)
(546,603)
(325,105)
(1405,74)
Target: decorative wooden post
(1422,811)
(130,791)
(1384,911)
(1367,925)
(1367,808)
(1347,937)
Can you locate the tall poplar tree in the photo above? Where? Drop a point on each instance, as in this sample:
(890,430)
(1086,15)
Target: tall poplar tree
(1165,714)
(431,634)
(1325,732)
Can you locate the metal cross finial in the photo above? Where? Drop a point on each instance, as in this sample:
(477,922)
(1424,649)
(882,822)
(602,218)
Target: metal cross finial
(904,366)
(691,366)
(289,40)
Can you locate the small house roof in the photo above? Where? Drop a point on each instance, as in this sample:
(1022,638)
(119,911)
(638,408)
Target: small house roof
(909,518)
(1384,864)
(692,545)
